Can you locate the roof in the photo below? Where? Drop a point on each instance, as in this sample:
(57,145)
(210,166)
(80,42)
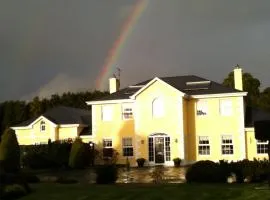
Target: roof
(204,87)
(255,114)
(62,115)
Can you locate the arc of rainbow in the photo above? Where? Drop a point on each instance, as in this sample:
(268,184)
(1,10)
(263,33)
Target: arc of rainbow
(118,45)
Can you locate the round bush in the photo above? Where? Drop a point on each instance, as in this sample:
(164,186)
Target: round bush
(205,171)
(106,174)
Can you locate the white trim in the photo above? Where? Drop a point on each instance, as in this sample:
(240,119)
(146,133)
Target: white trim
(114,101)
(238,94)
(150,83)
(242,135)
(72,125)
(181,142)
(34,122)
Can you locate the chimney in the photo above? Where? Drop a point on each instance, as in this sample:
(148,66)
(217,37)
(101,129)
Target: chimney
(238,78)
(114,85)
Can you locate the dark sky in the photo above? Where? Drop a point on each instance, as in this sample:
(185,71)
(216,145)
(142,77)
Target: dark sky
(55,46)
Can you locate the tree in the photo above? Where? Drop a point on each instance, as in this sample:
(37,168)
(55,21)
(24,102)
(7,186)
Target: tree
(77,154)
(264,101)
(10,151)
(250,85)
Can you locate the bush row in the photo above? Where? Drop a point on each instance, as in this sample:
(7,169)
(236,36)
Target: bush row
(241,171)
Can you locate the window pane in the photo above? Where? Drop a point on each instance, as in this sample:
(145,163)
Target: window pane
(204,145)
(202,108)
(151,149)
(158,108)
(168,148)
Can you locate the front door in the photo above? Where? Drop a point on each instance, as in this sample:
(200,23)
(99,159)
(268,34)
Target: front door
(159,149)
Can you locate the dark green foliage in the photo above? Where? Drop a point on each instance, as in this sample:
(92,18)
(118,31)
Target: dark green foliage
(53,155)
(30,178)
(77,157)
(262,130)
(106,174)
(13,191)
(205,171)
(177,162)
(140,162)
(10,151)
(208,171)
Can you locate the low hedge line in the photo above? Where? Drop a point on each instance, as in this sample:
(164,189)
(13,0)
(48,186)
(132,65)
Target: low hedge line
(241,171)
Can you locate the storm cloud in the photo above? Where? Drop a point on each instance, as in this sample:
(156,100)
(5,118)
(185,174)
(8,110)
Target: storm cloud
(51,47)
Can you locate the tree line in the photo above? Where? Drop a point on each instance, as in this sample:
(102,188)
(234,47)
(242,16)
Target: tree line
(15,112)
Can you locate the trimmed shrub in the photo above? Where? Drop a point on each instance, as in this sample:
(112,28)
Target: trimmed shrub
(106,174)
(13,191)
(140,162)
(177,162)
(9,151)
(206,171)
(77,155)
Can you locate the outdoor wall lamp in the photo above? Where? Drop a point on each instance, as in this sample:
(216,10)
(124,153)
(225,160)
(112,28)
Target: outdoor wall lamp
(176,140)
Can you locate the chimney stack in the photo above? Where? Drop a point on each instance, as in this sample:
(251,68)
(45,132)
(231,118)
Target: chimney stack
(114,85)
(238,78)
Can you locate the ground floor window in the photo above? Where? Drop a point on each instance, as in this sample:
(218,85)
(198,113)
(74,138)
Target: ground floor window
(204,145)
(127,146)
(168,148)
(226,145)
(262,147)
(107,148)
(150,149)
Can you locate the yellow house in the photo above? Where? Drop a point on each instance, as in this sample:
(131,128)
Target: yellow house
(59,123)
(183,116)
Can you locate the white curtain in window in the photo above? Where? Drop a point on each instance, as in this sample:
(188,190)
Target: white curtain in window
(158,107)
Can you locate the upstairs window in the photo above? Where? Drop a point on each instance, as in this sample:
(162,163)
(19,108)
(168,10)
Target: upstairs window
(127,112)
(202,108)
(227,145)
(226,107)
(262,147)
(158,108)
(127,146)
(204,145)
(107,112)
(42,126)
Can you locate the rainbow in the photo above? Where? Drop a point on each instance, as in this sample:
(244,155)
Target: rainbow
(114,53)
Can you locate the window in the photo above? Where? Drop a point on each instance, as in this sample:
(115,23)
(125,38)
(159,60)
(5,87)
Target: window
(168,148)
(107,148)
(226,107)
(202,108)
(42,126)
(106,113)
(204,145)
(151,149)
(226,145)
(262,147)
(127,147)
(157,107)
(127,112)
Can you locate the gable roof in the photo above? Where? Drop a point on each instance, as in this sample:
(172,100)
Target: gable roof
(62,115)
(203,87)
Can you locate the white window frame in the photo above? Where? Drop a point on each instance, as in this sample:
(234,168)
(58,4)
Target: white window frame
(226,110)
(107,113)
(228,137)
(42,126)
(259,144)
(204,138)
(106,140)
(127,112)
(158,107)
(202,108)
(125,146)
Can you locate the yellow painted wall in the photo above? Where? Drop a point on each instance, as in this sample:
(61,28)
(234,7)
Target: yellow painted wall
(67,132)
(169,124)
(115,130)
(214,125)
(251,145)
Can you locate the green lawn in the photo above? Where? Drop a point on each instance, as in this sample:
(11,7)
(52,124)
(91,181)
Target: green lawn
(147,191)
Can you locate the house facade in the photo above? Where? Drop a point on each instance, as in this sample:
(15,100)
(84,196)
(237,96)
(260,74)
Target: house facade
(59,123)
(185,117)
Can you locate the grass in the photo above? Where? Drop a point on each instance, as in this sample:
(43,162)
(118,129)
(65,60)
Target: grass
(55,191)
